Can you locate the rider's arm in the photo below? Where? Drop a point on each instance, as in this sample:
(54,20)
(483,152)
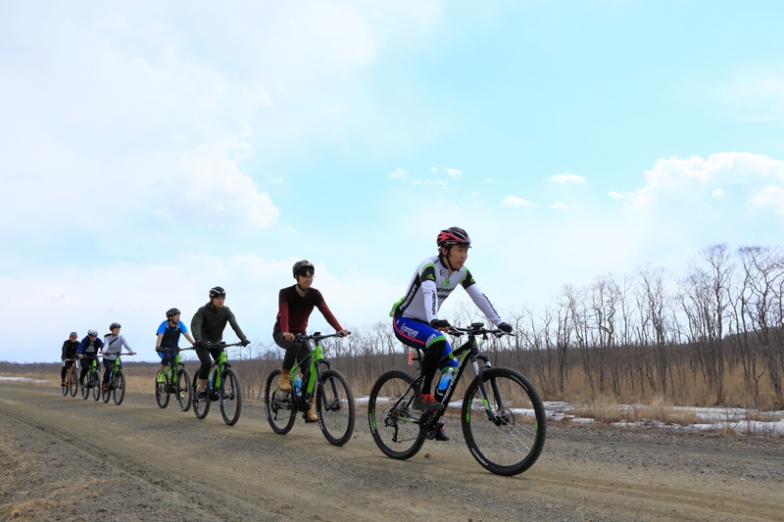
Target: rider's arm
(427,281)
(481,301)
(234,325)
(64,355)
(158,342)
(196,324)
(125,343)
(283,312)
(80,350)
(327,313)
(184,331)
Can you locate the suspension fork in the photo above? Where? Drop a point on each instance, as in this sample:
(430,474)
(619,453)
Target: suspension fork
(479,370)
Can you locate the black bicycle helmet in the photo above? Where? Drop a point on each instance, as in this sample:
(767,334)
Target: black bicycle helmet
(175,311)
(114,325)
(301,268)
(217,291)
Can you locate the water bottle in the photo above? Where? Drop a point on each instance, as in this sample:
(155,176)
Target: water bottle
(168,372)
(297,384)
(209,385)
(444,383)
(446,378)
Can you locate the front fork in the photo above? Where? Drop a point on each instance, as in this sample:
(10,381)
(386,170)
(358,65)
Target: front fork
(478,370)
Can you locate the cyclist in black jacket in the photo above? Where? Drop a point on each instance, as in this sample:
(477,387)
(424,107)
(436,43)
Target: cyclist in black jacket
(69,352)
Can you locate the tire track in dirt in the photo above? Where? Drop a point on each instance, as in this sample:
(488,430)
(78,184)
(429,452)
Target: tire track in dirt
(246,472)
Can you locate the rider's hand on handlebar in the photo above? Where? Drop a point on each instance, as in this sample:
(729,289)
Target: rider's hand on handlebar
(343,333)
(288,336)
(245,342)
(440,324)
(505,327)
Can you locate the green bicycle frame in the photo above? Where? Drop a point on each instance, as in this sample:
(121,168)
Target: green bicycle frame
(315,356)
(220,364)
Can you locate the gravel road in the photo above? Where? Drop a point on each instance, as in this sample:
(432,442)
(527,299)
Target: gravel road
(70,459)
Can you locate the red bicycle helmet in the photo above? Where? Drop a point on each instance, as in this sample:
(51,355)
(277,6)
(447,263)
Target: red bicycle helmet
(453,236)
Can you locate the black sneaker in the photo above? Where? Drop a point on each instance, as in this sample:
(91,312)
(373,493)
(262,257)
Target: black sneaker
(63,384)
(203,396)
(441,435)
(426,402)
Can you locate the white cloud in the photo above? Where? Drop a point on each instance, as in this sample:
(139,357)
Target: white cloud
(563,179)
(772,197)
(560,206)
(215,191)
(718,193)
(453,173)
(696,179)
(399,173)
(514,201)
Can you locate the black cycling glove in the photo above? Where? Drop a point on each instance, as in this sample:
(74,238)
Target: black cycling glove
(505,327)
(440,323)
(244,342)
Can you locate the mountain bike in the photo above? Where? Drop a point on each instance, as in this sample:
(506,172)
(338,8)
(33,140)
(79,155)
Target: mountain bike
(502,416)
(71,380)
(224,387)
(92,381)
(176,380)
(116,385)
(334,400)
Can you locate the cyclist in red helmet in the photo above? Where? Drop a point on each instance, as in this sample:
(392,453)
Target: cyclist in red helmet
(415,316)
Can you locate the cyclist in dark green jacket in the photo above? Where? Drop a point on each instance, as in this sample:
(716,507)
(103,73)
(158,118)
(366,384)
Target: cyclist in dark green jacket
(207,326)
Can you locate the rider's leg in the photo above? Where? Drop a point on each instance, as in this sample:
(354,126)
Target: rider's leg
(423,336)
(84,370)
(63,372)
(204,369)
(294,351)
(107,365)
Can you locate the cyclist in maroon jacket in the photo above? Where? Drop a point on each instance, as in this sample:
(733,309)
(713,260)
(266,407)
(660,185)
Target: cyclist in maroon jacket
(295,304)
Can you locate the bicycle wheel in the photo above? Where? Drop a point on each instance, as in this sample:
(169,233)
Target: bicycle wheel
(280,406)
(511,441)
(394,426)
(73,384)
(200,408)
(162,392)
(335,407)
(65,386)
(182,389)
(230,397)
(105,394)
(119,388)
(95,380)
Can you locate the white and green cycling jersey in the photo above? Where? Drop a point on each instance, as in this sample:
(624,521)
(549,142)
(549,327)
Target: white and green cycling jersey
(430,287)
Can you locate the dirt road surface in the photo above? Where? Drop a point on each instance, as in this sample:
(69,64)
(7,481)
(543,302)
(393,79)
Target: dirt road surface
(70,459)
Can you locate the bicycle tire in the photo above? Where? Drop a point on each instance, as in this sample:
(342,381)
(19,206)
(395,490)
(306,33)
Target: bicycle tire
(230,397)
(183,389)
(74,384)
(200,408)
(95,379)
(65,387)
(107,393)
(281,408)
(162,392)
(336,412)
(512,443)
(119,388)
(389,414)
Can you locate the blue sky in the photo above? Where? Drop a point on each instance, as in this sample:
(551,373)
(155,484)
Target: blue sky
(150,151)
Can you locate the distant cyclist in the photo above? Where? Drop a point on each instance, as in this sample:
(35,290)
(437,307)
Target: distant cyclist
(416,322)
(70,348)
(207,326)
(169,338)
(88,352)
(295,304)
(113,343)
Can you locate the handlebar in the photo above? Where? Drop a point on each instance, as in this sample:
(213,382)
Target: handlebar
(220,345)
(476,329)
(318,337)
